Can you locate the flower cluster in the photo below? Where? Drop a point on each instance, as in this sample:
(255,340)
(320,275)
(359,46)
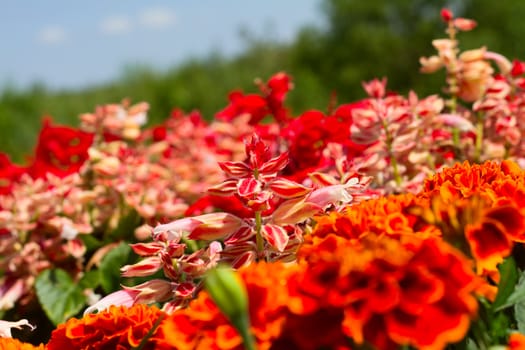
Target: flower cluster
(394,221)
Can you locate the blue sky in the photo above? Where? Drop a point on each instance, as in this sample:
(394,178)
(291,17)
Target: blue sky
(70,44)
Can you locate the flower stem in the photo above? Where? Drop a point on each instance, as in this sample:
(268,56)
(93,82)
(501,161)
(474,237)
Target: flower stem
(479,140)
(258,236)
(395,170)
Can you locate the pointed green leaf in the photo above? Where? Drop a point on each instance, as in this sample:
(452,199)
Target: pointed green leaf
(508,279)
(110,265)
(60,297)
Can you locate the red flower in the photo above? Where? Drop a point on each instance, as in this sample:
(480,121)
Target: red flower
(60,150)
(411,291)
(257,106)
(9,173)
(240,104)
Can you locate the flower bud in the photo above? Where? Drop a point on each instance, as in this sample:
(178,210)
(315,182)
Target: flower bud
(230,295)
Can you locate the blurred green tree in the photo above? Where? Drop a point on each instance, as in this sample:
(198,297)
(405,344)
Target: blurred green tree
(359,41)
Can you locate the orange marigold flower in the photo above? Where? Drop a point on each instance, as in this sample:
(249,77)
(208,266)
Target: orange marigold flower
(383,215)
(516,341)
(117,328)
(15,344)
(203,326)
(491,180)
(482,231)
(388,291)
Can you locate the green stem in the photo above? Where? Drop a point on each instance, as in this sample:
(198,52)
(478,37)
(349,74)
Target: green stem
(258,235)
(479,140)
(393,161)
(395,170)
(247,336)
(457,143)
(145,340)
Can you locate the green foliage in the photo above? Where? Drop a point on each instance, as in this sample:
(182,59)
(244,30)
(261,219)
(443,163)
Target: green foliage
(508,278)
(60,297)
(110,278)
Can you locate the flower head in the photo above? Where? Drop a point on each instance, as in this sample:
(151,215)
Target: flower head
(117,328)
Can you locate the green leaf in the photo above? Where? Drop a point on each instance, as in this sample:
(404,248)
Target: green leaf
(519,311)
(110,265)
(60,297)
(517,296)
(90,242)
(508,279)
(129,221)
(91,279)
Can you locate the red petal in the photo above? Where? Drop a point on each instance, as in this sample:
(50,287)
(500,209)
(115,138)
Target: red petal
(322,179)
(276,236)
(241,235)
(275,165)
(288,189)
(248,187)
(235,169)
(225,188)
(147,249)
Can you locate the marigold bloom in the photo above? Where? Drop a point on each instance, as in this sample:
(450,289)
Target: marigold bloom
(389,291)
(485,203)
(490,179)
(15,344)
(117,328)
(383,215)
(202,326)
(516,341)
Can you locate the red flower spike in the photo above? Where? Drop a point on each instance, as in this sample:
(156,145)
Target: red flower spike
(240,104)
(279,84)
(60,150)
(258,153)
(276,236)
(288,189)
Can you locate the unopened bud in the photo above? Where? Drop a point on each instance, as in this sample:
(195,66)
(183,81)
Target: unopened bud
(230,295)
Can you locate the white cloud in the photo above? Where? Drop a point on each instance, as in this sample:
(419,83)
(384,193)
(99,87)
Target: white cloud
(157,18)
(53,35)
(115,25)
